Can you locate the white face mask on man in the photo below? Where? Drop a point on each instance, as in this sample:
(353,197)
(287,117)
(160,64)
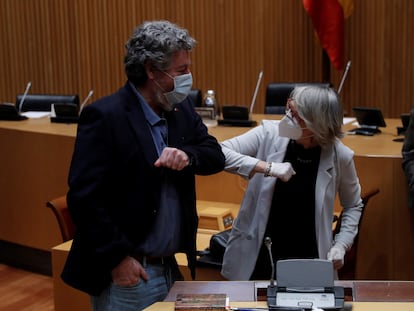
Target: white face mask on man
(182,87)
(290,128)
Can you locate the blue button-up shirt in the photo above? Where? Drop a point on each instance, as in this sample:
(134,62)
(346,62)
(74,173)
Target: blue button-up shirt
(165,236)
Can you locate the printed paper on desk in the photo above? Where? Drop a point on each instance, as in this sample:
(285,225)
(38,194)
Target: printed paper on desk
(36,114)
(306,300)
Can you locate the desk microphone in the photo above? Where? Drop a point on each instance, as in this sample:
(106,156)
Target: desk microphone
(241,115)
(85,101)
(256,90)
(272,288)
(268,243)
(28,86)
(348,66)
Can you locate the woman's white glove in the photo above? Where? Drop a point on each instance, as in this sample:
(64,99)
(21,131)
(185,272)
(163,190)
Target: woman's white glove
(337,254)
(284,170)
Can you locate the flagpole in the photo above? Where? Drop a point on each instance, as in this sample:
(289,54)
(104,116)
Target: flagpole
(326,67)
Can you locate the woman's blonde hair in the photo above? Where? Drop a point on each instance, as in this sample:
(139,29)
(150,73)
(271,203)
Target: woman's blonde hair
(321,110)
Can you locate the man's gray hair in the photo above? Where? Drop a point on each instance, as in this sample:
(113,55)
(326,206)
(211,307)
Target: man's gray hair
(154,42)
(321,109)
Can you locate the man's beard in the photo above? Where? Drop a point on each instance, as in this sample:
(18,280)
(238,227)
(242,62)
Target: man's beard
(161,101)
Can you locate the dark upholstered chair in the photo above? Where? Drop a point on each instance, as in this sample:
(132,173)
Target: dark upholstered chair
(196,97)
(347,272)
(43,102)
(278,93)
(60,210)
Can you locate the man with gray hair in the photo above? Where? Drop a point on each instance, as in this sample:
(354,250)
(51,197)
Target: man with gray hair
(132,176)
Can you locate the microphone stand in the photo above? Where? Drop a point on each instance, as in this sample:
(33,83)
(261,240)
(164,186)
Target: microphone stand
(272,288)
(348,66)
(85,101)
(28,86)
(256,90)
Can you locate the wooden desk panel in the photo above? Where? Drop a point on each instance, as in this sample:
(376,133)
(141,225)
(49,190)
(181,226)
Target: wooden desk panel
(66,298)
(384,291)
(356,306)
(387,234)
(34,170)
(372,291)
(40,126)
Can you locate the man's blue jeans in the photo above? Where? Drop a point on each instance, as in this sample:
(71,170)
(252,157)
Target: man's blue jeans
(137,297)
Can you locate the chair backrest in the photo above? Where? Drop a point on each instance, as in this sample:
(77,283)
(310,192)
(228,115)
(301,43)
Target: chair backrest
(196,97)
(43,102)
(61,211)
(347,272)
(278,93)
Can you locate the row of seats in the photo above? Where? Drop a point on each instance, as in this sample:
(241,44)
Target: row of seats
(276,95)
(43,102)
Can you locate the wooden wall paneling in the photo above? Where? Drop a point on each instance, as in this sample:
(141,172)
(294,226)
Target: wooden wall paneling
(209,34)
(72,46)
(398,56)
(82,47)
(11,24)
(5,58)
(39,51)
(60,47)
(289,56)
(377,55)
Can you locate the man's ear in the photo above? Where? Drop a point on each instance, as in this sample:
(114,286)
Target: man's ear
(149,69)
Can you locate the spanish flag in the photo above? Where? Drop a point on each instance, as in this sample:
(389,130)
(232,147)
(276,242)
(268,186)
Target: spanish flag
(328,18)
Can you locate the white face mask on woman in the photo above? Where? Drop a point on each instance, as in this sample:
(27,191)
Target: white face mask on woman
(182,87)
(290,128)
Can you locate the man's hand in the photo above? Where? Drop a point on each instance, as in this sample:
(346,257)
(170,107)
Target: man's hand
(129,272)
(173,158)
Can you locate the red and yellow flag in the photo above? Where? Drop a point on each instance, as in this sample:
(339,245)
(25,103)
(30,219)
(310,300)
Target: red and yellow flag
(328,18)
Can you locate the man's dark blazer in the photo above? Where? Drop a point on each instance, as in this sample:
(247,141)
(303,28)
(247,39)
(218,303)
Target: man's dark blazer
(114,187)
(408,158)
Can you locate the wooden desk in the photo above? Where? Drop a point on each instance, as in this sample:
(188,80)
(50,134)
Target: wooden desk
(67,298)
(35,156)
(356,306)
(38,154)
(375,296)
(367,291)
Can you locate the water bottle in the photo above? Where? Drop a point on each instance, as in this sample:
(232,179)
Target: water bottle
(211,102)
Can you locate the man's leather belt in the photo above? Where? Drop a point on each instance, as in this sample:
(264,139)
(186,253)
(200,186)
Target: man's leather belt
(148,260)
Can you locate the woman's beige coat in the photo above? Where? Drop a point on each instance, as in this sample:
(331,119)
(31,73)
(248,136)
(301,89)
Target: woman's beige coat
(336,174)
